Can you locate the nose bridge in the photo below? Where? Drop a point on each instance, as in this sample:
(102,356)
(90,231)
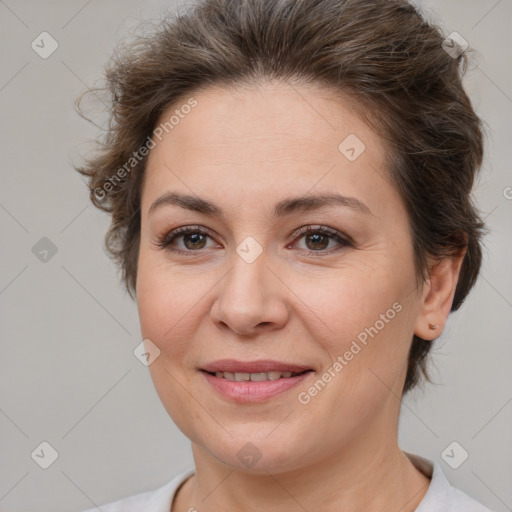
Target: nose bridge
(246,283)
(248,264)
(249,269)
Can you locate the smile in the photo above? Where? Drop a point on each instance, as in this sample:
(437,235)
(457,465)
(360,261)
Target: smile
(253,382)
(256,377)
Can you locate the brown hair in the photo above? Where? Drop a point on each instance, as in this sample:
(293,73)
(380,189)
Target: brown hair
(382,53)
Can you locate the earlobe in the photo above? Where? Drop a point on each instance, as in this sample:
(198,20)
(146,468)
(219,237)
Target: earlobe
(437,297)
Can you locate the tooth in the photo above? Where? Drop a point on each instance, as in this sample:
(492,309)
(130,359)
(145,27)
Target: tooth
(239,377)
(274,375)
(219,374)
(229,376)
(258,377)
(286,375)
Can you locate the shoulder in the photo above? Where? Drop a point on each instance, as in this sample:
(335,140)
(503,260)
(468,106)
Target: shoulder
(441,496)
(462,502)
(157,500)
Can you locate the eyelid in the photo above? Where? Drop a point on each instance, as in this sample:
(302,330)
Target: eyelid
(165,240)
(314,228)
(343,240)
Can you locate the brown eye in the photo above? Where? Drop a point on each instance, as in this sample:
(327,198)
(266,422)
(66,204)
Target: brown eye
(317,241)
(194,241)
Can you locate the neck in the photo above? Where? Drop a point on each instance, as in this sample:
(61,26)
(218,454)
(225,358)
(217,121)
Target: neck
(373,477)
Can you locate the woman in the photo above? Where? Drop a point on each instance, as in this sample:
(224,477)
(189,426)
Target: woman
(290,191)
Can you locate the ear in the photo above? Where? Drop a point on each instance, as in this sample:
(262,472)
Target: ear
(437,297)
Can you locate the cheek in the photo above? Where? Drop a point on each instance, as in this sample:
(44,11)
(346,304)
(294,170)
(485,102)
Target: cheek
(367,324)
(165,301)
(353,299)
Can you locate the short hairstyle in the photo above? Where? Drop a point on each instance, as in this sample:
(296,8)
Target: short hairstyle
(382,54)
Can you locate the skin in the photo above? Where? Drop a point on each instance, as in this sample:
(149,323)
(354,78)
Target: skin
(246,149)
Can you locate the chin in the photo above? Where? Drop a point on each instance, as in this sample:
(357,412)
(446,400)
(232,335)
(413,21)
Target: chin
(252,451)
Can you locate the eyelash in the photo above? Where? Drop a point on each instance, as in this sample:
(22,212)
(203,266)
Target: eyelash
(344,241)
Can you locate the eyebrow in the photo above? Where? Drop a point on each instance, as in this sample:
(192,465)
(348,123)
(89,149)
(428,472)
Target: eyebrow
(285,207)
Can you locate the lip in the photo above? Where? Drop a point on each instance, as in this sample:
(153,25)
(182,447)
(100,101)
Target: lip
(252,391)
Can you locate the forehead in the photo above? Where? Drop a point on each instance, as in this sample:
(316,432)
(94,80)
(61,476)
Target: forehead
(265,137)
(277,113)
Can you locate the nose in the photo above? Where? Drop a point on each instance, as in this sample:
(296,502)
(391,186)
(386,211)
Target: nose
(251,298)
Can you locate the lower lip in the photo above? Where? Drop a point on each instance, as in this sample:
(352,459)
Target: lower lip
(249,391)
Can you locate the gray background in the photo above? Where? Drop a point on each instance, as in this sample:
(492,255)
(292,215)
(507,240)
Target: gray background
(68,375)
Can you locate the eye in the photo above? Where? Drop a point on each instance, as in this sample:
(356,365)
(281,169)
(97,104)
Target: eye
(193,238)
(318,238)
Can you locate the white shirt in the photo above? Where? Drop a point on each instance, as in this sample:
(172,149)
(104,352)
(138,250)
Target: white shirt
(440,495)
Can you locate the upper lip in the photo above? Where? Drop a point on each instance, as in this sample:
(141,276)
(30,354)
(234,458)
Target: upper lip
(261,366)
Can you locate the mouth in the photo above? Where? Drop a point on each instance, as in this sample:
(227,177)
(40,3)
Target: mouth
(256,376)
(253,381)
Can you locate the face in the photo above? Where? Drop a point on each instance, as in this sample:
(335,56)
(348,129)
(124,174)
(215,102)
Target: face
(268,279)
